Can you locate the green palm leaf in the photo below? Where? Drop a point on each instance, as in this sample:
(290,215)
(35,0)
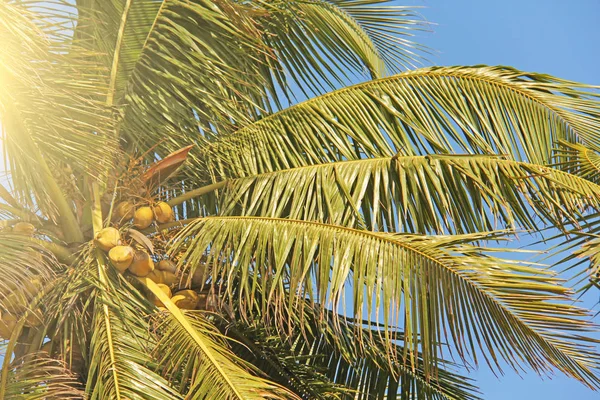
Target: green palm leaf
(577,159)
(39,377)
(458,193)
(21,261)
(52,126)
(422,283)
(120,365)
(323,361)
(310,38)
(430,110)
(195,352)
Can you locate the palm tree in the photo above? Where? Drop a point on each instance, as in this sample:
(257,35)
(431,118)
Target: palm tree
(342,247)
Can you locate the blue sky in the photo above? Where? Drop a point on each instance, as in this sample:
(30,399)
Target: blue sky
(555,37)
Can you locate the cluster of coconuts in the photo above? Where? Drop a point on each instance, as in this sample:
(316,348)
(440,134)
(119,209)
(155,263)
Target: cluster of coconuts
(144,216)
(139,262)
(16,304)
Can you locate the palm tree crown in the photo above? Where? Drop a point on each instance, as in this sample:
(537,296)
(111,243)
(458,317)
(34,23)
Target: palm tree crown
(171,230)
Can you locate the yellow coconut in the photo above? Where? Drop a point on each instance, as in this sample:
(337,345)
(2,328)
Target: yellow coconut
(163,212)
(24,227)
(185,299)
(107,238)
(124,211)
(167,265)
(121,257)
(166,290)
(143,217)
(142,264)
(8,322)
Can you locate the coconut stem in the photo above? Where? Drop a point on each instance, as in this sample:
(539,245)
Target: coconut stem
(195,193)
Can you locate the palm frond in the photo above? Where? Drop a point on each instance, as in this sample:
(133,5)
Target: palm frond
(199,358)
(421,194)
(120,364)
(51,126)
(22,260)
(424,284)
(489,110)
(577,159)
(323,361)
(40,377)
(312,38)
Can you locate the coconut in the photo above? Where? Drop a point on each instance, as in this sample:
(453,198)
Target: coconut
(107,238)
(124,211)
(24,227)
(143,217)
(169,278)
(166,290)
(185,299)
(166,277)
(8,322)
(163,212)
(121,257)
(198,277)
(167,265)
(142,264)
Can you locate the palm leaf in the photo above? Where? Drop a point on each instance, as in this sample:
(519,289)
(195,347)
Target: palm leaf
(120,363)
(492,110)
(458,193)
(430,283)
(579,160)
(51,126)
(21,261)
(40,377)
(323,360)
(193,349)
(310,38)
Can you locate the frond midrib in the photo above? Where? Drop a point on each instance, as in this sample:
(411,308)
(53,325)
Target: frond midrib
(497,158)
